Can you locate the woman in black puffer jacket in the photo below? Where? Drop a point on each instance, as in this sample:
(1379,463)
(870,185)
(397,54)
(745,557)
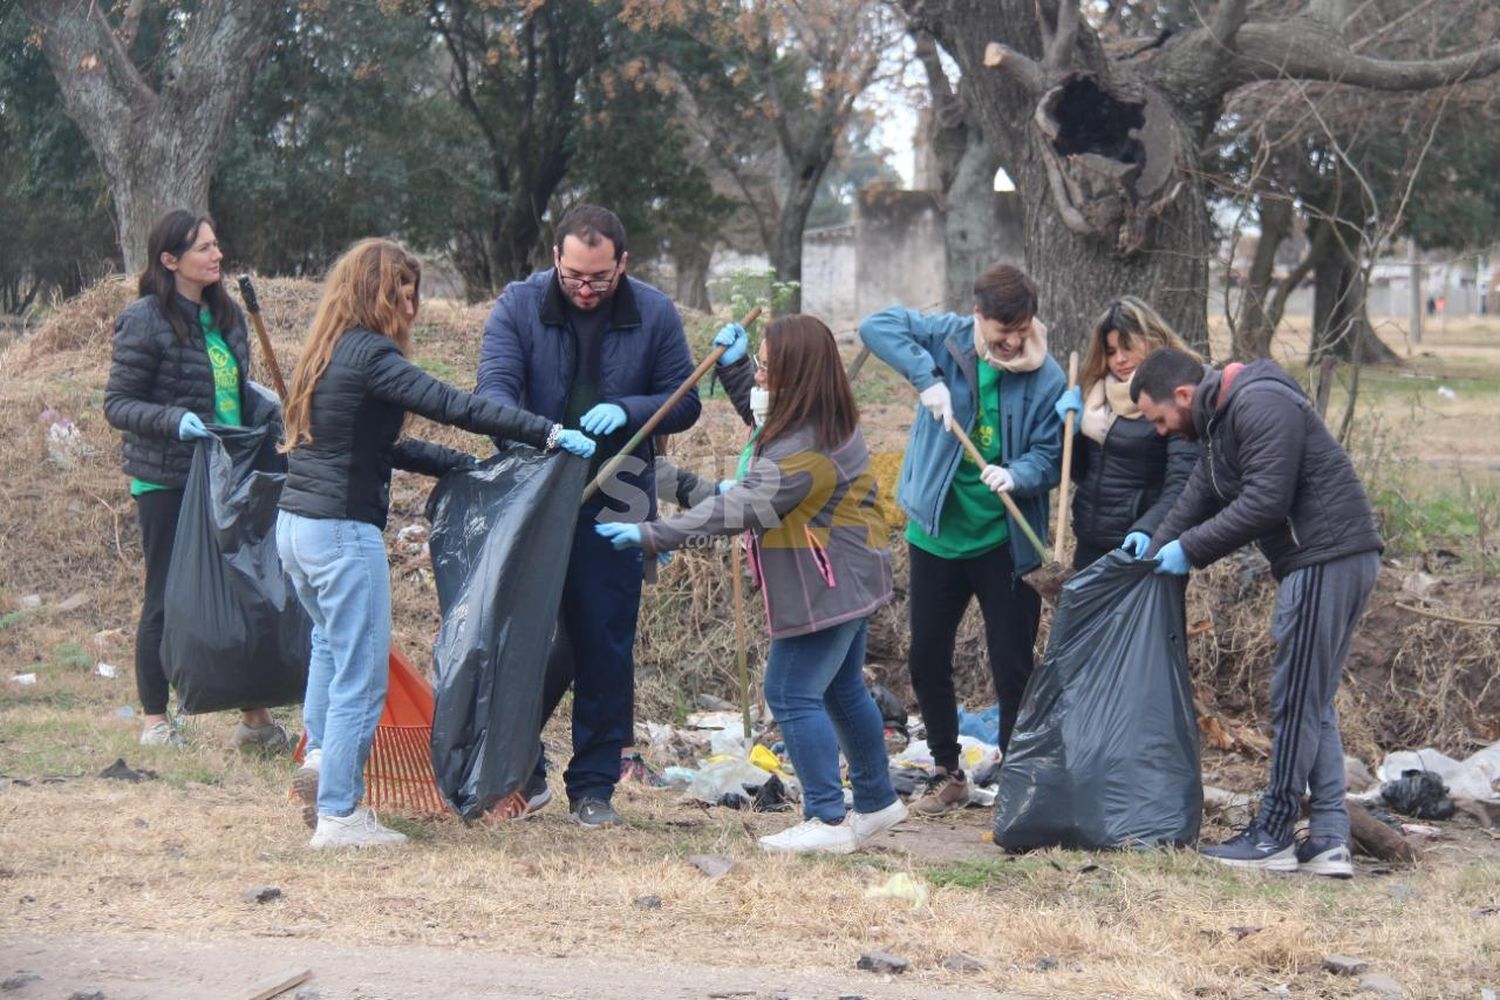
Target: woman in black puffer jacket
(1127,476)
(180,358)
(348,401)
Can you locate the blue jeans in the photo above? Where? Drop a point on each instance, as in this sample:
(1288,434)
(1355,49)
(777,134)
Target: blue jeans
(342,578)
(815,687)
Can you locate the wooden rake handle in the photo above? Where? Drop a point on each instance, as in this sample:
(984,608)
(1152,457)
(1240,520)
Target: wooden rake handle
(1063,507)
(1010,505)
(252,309)
(614,464)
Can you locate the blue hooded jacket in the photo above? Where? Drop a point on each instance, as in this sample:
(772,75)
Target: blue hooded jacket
(528,357)
(928,349)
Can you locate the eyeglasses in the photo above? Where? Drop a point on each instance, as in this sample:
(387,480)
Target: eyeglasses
(574,283)
(761,367)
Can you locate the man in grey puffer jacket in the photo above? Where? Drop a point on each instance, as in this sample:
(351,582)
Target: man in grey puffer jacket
(1271,473)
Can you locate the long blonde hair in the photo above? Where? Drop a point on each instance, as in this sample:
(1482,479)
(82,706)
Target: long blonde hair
(363,289)
(1139,328)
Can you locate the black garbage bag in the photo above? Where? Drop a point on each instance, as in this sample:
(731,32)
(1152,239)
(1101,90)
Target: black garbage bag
(1105,749)
(501,537)
(234,634)
(1419,794)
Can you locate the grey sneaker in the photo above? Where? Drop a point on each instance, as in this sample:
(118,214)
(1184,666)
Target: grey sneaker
(161,734)
(946,791)
(594,814)
(1325,856)
(305,784)
(537,793)
(270,740)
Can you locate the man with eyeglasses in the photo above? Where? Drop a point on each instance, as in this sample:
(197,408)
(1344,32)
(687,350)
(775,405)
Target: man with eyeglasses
(589,347)
(988,372)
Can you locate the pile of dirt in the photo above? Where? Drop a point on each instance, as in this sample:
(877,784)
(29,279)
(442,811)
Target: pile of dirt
(67,526)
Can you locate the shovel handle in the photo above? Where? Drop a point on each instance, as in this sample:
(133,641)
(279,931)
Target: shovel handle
(252,309)
(614,464)
(1063,507)
(1010,505)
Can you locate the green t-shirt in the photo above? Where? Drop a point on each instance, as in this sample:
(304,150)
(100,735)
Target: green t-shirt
(226,387)
(973,520)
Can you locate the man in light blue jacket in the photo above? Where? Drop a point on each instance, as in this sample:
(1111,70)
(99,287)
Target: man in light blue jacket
(990,374)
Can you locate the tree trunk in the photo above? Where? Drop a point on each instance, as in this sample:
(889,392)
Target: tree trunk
(1253,327)
(690,263)
(786,249)
(974,222)
(157,149)
(1341,325)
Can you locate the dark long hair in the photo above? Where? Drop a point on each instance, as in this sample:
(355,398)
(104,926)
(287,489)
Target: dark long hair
(807,376)
(174,233)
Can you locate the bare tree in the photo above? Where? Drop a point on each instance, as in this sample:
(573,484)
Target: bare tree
(155,119)
(1107,138)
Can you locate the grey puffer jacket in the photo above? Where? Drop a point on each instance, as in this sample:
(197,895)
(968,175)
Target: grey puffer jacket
(358,408)
(1128,483)
(1270,473)
(154,381)
(818,542)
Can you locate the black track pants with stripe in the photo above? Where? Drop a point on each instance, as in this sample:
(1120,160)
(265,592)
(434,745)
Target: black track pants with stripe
(1317,609)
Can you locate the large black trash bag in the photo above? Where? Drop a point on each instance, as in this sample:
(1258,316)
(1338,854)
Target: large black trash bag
(1105,749)
(234,634)
(501,537)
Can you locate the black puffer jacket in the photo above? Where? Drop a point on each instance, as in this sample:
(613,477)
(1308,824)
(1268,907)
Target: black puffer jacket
(154,381)
(358,408)
(1128,483)
(1270,473)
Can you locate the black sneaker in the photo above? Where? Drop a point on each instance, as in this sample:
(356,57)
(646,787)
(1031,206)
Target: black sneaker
(594,814)
(1325,856)
(537,793)
(1254,847)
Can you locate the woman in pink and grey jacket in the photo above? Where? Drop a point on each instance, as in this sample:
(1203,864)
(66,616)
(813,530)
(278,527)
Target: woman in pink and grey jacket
(818,546)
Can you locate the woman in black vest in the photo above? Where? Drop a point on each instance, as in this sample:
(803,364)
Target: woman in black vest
(180,360)
(1128,477)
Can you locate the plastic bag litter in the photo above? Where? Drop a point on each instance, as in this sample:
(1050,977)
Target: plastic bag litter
(725,775)
(234,634)
(1475,777)
(983,725)
(902,888)
(1105,751)
(501,537)
(973,754)
(1421,794)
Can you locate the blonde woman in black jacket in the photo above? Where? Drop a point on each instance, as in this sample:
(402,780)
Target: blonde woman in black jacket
(1128,476)
(348,401)
(180,358)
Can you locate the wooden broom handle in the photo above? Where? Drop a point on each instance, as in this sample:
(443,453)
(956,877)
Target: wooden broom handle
(1010,505)
(682,390)
(1063,507)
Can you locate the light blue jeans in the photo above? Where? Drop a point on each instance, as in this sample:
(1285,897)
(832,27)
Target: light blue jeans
(342,578)
(815,687)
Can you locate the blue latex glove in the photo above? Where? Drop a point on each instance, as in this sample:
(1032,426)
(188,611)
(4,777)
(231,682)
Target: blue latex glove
(732,336)
(1070,400)
(621,536)
(604,418)
(576,443)
(191,427)
(1136,543)
(725,486)
(1170,559)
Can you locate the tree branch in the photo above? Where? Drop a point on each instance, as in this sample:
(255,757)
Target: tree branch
(1020,68)
(1308,50)
(130,24)
(1228,20)
(1060,49)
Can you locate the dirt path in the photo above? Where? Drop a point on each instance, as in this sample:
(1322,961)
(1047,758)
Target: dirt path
(163,968)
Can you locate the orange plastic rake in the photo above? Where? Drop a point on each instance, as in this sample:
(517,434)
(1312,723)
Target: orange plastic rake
(398,773)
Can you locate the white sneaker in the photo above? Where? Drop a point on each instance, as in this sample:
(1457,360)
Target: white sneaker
(813,837)
(358,829)
(867,826)
(161,734)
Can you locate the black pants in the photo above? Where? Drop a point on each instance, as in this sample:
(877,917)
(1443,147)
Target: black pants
(939,595)
(157,512)
(1084,554)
